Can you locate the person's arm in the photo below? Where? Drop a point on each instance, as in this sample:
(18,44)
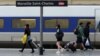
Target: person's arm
(24,31)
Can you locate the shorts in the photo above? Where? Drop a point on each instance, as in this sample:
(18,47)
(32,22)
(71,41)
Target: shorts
(79,40)
(59,38)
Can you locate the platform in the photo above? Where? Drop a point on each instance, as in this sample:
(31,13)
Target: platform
(48,52)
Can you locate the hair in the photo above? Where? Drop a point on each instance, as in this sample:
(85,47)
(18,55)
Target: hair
(27,25)
(88,23)
(58,26)
(80,23)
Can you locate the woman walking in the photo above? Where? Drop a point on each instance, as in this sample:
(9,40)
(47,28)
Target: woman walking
(59,37)
(29,40)
(86,34)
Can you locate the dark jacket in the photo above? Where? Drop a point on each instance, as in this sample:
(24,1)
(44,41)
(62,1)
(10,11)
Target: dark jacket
(59,33)
(86,31)
(27,31)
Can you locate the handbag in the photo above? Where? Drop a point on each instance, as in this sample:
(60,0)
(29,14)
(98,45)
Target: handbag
(87,43)
(24,39)
(76,31)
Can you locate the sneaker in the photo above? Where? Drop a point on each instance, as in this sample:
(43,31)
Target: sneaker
(58,52)
(20,51)
(62,49)
(67,50)
(32,51)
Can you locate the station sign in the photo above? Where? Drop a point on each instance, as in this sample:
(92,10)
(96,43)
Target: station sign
(41,3)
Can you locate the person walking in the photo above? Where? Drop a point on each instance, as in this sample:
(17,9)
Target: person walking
(86,34)
(59,37)
(29,40)
(80,35)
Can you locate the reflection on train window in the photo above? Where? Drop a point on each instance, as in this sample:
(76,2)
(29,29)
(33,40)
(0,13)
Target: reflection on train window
(51,23)
(1,23)
(84,21)
(20,23)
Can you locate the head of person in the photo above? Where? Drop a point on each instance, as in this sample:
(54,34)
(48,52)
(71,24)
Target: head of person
(81,24)
(88,23)
(58,26)
(27,26)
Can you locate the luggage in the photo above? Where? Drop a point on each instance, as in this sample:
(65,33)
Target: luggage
(37,45)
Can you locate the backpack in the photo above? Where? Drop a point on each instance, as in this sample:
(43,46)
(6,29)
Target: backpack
(60,34)
(76,31)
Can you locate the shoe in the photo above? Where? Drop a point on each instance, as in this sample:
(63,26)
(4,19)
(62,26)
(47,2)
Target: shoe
(62,49)
(20,50)
(92,48)
(32,51)
(67,50)
(43,49)
(81,48)
(85,49)
(58,52)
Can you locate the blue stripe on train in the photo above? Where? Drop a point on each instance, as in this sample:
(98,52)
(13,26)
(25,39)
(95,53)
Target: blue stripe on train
(73,21)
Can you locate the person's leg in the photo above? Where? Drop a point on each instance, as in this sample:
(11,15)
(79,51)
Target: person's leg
(77,43)
(61,44)
(59,39)
(90,43)
(81,43)
(58,45)
(30,44)
(85,44)
(24,45)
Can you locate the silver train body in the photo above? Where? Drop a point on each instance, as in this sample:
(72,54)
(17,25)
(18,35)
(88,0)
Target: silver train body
(70,11)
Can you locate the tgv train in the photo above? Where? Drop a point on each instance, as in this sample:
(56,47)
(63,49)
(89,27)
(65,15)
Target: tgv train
(13,19)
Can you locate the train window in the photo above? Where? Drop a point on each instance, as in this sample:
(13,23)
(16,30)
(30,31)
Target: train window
(51,23)
(20,23)
(84,21)
(1,23)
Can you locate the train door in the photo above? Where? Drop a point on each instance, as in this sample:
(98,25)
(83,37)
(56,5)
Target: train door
(97,26)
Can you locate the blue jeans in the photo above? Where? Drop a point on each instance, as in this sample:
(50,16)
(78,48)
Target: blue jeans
(29,38)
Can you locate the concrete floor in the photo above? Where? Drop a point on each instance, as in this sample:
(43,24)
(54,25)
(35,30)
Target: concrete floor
(48,52)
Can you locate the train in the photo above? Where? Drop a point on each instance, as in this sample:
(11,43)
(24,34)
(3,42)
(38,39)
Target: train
(13,19)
